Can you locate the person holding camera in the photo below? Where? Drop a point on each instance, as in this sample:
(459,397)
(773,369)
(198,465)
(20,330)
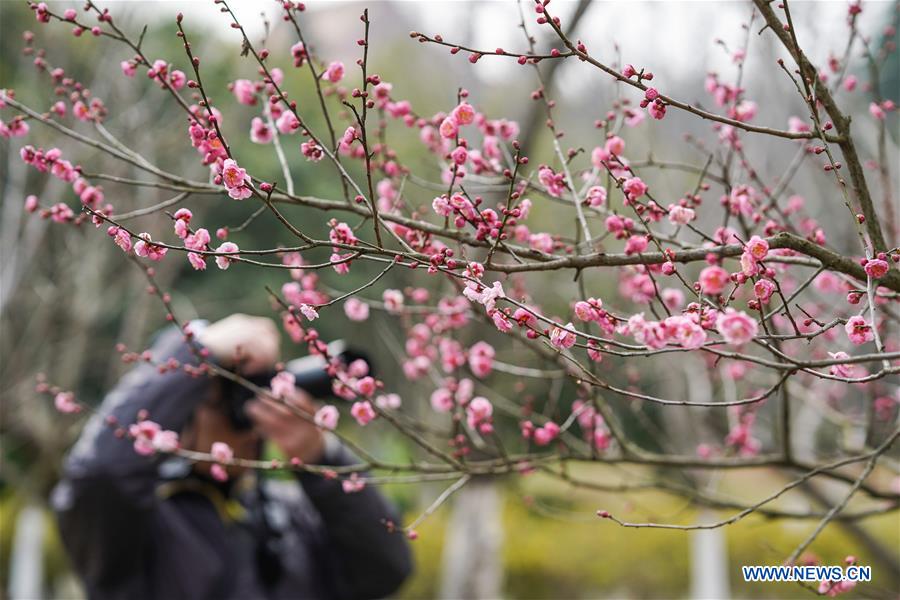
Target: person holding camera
(164,527)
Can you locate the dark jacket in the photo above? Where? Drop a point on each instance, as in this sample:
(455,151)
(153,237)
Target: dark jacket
(145,527)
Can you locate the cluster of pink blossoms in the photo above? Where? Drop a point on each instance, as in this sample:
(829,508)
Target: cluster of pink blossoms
(150,438)
(465,142)
(236,180)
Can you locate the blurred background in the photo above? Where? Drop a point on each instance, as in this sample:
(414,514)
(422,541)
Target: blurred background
(67,295)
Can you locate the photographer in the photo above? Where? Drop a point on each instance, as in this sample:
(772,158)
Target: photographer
(161,527)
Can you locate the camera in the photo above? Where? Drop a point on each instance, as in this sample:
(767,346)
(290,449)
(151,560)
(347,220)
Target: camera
(310,374)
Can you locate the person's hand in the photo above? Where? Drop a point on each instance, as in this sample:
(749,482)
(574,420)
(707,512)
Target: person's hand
(250,344)
(294,435)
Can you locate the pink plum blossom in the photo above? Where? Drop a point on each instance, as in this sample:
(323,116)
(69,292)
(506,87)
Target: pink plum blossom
(736,327)
(235,180)
(356,310)
(859,331)
(221,452)
(479,411)
(335,72)
(481,359)
(145,248)
(283,385)
(327,417)
(363,412)
(65,403)
(563,337)
(223,262)
(713,280)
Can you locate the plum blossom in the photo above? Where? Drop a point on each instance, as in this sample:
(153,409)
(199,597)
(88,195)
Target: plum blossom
(589,310)
(350,134)
(16,128)
(65,403)
(367,385)
(684,331)
(481,359)
(283,385)
(363,412)
(673,298)
(614,145)
(223,262)
(388,401)
(298,51)
(145,248)
(327,417)
(460,155)
(545,434)
(736,327)
(218,472)
(741,437)
(657,109)
(353,484)
(356,309)
(713,280)
(464,113)
(197,241)
(563,337)
(859,331)
(91,196)
(680,215)
(487,296)
(312,151)
(596,196)
(749,266)
(758,247)
(442,400)
(393,301)
(236,180)
(835,588)
(650,333)
(142,434)
(335,72)
(554,183)
(449,128)
(798,125)
(287,123)
(501,321)
(177,79)
(634,188)
(309,312)
(121,237)
(359,368)
(636,244)
(599,156)
(61,213)
(876,268)
(876,111)
(742,200)
(221,452)
(846,370)
(260,132)
(479,411)
(245,91)
(166,441)
(763,289)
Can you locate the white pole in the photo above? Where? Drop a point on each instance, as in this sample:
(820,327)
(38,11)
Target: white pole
(26,570)
(709,561)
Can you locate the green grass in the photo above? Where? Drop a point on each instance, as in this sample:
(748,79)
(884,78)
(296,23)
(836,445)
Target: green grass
(555,546)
